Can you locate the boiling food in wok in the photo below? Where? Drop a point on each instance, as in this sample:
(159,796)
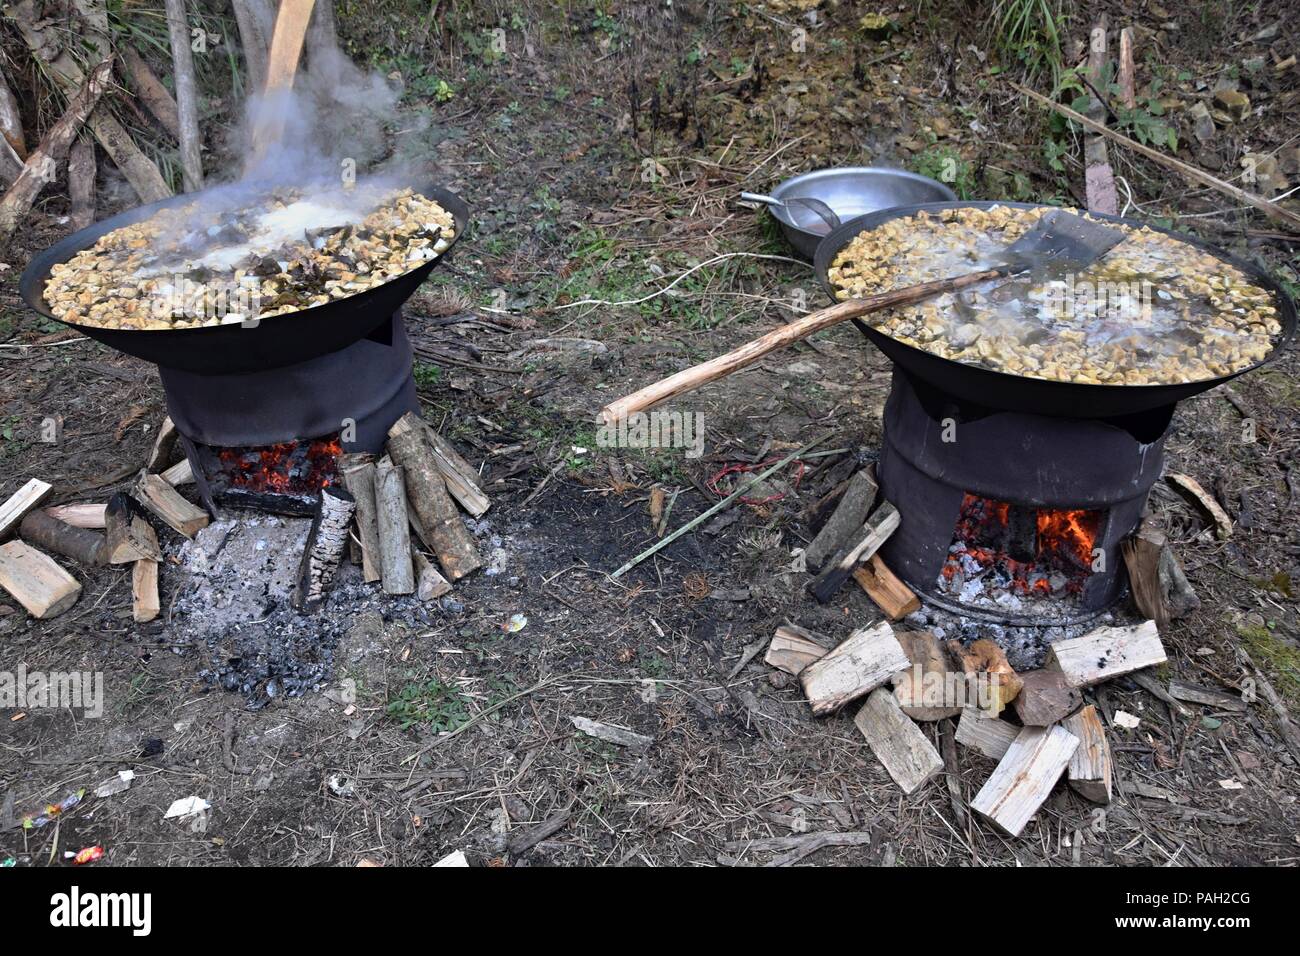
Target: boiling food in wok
(193,265)
(1152,311)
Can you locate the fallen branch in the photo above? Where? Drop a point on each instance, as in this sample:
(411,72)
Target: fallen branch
(1270,209)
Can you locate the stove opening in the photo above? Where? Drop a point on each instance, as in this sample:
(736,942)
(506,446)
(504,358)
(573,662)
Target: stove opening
(1010,556)
(285,478)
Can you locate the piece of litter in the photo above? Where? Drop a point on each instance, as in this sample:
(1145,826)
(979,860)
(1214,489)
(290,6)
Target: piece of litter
(516,623)
(115,785)
(340,786)
(187,807)
(1231,784)
(453,859)
(620,736)
(1126,720)
(89,855)
(36,821)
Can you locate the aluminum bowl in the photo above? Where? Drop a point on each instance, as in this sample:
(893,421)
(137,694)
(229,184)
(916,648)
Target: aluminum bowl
(851,191)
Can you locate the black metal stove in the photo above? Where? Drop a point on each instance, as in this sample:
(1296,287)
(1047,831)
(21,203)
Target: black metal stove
(1010,516)
(270,439)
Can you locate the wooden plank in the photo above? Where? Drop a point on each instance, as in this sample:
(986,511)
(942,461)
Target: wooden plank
(1024,777)
(1107,652)
(1089,771)
(991,736)
(792,649)
(894,598)
(1046,698)
(849,515)
(867,659)
(897,742)
(20,502)
(167,504)
(35,581)
(858,549)
(144,591)
(78,515)
(929,689)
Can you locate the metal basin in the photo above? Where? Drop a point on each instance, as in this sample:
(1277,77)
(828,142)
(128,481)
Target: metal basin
(851,191)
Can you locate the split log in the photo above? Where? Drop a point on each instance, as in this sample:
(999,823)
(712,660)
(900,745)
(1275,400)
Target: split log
(429,583)
(393,528)
(883,586)
(43,161)
(867,659)
(164,443)
(1046,698)
(129,537)
(991,736)
(448,451)
(927,690)
(11,121)
(166,503)
(79,516)
(323,551)
(898,744)
(1107,652)
(80,544)
(1192,489)
(144,591)
(81,183)
(146,85)
(849,515)
(1160,589)
(20,502)
(438,522)
(792,649)
(859,548)
(187,104)
(462,480)
(1089,771)
(1025,776)
(995,682)
(359,477)
(1208,696)
(181,473)
(35,581)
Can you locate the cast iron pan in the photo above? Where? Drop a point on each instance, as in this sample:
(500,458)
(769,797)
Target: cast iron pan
(275,342)
(991,389)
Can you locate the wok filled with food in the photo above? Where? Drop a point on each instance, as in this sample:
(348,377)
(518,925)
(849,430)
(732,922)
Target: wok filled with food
(1159,317)
(242,279)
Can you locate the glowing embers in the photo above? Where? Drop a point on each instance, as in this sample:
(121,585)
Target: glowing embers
(1002,554)
(285,477)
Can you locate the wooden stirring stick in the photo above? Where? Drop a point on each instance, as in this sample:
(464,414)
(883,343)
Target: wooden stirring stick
(282,65)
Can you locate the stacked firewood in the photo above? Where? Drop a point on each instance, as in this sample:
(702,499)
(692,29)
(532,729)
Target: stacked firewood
(407,498)
(95,534)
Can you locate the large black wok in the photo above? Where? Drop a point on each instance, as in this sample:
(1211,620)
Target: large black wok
(991,389)
(274,342)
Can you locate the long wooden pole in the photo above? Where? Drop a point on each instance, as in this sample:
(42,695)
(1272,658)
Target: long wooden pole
(282,64)
(187,99)
(692,378)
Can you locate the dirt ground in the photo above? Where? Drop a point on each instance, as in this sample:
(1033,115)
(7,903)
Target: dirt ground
(461,736)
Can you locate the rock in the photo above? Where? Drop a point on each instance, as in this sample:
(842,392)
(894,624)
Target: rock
(1202,123)
(1234,103)
(1253,64)
(1289,161)
(1262,172)
(965,335)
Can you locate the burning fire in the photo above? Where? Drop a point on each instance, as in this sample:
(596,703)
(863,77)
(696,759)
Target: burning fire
(1052,554)
(286,468)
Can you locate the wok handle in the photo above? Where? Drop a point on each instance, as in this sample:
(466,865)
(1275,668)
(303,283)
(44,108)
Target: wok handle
(746,355)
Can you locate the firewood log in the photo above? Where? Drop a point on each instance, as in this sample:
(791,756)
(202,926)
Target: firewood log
(164,443)
(849,515)
(323,551)
(429,584)
(146,85)
(80,544)
(1025,776)
(128,535)
(79,515)
(11,121)
(36,581)
(144,591)
(439,523)
(360,480)
(187,108)
(20,502)
(394,529)
(165,502)
(859,548)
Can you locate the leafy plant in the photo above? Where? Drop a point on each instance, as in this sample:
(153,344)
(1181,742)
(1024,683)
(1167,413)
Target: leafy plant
(432,703)
(1030,31)
(946,165)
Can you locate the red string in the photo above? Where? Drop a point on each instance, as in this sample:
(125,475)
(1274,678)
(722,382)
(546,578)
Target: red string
(712,483)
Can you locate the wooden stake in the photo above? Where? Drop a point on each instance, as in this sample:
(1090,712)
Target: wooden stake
(144,591)
(20,502)
(394,529)
(439,523)
(35,581)
(898,744)
(867,659)
(1025,777)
